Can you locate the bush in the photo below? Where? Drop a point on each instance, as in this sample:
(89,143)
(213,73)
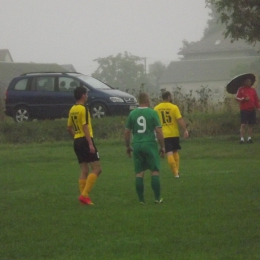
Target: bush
(203,117)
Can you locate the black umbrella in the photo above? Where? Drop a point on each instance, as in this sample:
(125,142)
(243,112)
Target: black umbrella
(238,81)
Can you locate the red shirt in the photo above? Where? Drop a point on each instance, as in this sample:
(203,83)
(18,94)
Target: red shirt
(253,101)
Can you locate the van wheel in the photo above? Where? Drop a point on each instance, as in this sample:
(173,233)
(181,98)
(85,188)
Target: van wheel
(98,110)
(22,114)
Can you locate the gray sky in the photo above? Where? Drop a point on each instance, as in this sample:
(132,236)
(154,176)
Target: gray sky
(79,31)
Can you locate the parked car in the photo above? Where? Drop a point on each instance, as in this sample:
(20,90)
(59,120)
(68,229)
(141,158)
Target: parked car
(50,96)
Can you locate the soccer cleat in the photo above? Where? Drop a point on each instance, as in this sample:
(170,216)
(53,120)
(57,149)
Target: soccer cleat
(85,201)
(142,203)
(250,141)
(177,176)
(158,201)
(241,142)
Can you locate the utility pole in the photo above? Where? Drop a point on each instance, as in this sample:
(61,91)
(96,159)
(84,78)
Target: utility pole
(145,72)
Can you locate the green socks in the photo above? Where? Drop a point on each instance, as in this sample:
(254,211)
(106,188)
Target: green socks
(155,183)
(156,187)
(139,185)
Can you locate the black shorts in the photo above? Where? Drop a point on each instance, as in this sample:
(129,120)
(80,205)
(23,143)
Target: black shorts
(81,149)
(172,144)
(248,117)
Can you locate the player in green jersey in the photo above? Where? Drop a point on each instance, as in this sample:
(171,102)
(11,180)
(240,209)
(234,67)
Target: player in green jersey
(79,126)
(145,126)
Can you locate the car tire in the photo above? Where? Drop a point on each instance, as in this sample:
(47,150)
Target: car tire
(22,114)
(98,110)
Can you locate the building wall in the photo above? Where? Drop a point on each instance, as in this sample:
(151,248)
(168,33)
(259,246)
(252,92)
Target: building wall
(216,90)
(217,55)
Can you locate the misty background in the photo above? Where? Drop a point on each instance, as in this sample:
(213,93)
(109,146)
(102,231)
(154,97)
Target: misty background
(78,32)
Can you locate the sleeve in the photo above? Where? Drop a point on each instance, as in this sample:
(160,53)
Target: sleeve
(84,116)
(239,95)
(177,113)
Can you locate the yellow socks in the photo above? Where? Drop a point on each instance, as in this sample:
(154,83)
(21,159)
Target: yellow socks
(172,164)
(82,184)
(177,160)
(89,184)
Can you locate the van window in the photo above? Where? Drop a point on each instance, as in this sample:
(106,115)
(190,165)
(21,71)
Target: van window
(44,83)
(97,84)
(21,84)
(67,84)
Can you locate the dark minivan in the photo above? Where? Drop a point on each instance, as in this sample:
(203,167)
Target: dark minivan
(50,96)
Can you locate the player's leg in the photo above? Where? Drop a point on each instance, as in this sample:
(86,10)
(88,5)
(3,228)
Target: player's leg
(83,176)
(156,186)
(92,177)
(171,147)
(176,157)
(91,159)
(153,162)
(172,163)
(139,166)
(139,186)
(80,151)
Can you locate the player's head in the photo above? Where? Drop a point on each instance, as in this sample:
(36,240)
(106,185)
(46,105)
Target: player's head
(79,92)
(248,82)
(167,96)
(144,99)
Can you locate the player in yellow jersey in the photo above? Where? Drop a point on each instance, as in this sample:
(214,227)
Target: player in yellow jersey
(171,118)
(79,126)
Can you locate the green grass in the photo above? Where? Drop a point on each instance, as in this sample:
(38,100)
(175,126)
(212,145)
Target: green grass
(210,212)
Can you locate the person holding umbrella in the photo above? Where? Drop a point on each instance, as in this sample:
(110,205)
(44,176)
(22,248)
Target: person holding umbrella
(249,102)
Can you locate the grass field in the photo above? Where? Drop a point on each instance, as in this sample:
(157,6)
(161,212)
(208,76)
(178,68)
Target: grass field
(210,212)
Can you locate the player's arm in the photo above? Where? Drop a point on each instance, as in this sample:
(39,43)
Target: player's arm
(183,125)
(87,135)
(70,130)
(127,141)
(160,138)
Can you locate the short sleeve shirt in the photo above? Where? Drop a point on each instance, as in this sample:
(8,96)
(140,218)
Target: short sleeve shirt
(142,121)
(78,116)
(169,115)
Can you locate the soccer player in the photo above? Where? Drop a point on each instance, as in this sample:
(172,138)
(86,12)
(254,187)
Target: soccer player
(170,118)
(248,99)
(144,124)
(79,126)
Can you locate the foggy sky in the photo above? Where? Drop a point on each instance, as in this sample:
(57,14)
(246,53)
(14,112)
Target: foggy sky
(79,31)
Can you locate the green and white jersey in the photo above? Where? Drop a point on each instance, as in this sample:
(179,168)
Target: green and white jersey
(142,121)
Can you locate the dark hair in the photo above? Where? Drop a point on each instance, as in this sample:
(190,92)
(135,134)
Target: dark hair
(78,92)
(165,95)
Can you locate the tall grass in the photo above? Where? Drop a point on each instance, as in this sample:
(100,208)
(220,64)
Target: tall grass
(203,117)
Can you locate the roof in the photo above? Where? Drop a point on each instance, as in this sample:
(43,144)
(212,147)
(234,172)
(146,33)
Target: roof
(203,70)
(9,70)
(216,42)
(4,53)
(68,67)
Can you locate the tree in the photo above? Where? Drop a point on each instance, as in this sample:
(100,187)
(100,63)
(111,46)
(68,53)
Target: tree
(240,17)
(123,71)
(213,24)
(155,72)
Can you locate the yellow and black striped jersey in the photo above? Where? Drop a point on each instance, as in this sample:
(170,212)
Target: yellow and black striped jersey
(78,116)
